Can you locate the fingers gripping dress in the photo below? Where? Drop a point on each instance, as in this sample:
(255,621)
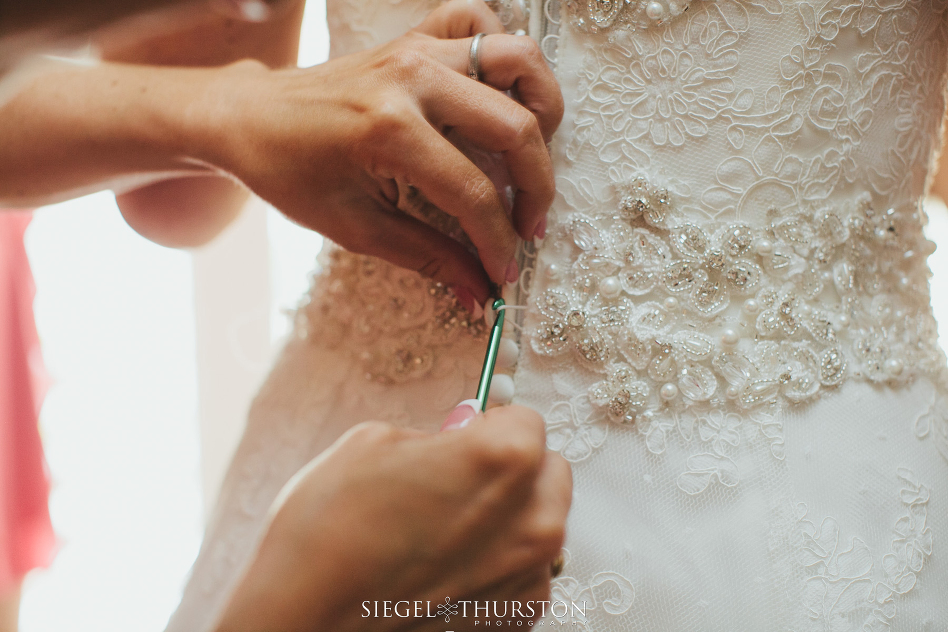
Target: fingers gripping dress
(729,330)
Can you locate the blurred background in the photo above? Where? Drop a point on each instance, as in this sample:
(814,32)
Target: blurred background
(154,356)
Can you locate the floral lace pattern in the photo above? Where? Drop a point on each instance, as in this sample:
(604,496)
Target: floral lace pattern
(814,127)
(732,317)
(846,589)
(933,423)
(734,238)
(608,593)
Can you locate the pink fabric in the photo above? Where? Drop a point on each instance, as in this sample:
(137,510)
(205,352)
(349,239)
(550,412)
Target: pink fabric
(26,534)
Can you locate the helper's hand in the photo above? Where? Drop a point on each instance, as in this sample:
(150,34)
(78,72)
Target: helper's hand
(325,145)
(477,513)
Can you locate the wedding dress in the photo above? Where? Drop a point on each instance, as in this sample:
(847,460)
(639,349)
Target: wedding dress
(728,331)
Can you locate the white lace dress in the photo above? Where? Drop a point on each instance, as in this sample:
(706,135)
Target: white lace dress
(729,329)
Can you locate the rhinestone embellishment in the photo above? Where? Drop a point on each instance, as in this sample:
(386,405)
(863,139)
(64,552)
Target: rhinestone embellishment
(594,16)
(675,315)
(392,320)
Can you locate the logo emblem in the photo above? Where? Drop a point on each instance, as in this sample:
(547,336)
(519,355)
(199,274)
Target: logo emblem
(447,609)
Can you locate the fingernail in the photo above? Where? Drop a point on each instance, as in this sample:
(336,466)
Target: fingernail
(513,272)
(461,415)
(541,228)
(465,298)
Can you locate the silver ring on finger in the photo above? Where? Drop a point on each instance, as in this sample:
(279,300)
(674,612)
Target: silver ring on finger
(474,59)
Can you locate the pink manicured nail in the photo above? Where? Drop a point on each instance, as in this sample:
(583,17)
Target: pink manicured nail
(513,272)
(465,298)
(541,228)
(461,415)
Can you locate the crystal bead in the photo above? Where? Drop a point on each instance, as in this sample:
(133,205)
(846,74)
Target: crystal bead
(815,289)
(697,383)
(832,368)
(576,319)
(738,241)
(716,260)
(585,235)
(679,276)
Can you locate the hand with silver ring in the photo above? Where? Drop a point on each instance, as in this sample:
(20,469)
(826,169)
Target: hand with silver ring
(332,145)
(474,59)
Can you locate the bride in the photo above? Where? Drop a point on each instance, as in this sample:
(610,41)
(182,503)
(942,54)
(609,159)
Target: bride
(728,327)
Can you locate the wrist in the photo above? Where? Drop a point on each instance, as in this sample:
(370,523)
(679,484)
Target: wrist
(222,118)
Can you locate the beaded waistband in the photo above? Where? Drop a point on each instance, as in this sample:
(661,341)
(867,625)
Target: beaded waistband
(677,316)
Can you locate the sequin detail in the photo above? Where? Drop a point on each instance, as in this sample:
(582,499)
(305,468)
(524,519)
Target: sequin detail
(675,315)
(594,16)
(392,319)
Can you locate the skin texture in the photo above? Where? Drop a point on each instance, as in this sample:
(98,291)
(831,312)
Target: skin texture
(189,212)
(324,145)
(476,513)
(27,28)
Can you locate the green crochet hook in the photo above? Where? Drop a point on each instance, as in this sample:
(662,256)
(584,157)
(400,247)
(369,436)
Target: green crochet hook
(493,344)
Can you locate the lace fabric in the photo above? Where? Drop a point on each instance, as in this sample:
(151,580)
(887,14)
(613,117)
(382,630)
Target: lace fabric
(729,329)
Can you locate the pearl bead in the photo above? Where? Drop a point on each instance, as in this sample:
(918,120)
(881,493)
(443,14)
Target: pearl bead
(844,320)
(654,10)
(765,248)
(730,338)
(668,391)
(894,367)
(905,282)
(827,275)
(751,306)
(554,271)
(671,303)
(507,353)
(501,389)
(732,392)
(610,287)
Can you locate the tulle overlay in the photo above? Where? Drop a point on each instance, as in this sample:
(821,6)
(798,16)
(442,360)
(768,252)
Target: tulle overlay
(729,330)
(26,534)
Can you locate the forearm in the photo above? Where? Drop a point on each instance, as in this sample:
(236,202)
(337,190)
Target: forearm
(110,126)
